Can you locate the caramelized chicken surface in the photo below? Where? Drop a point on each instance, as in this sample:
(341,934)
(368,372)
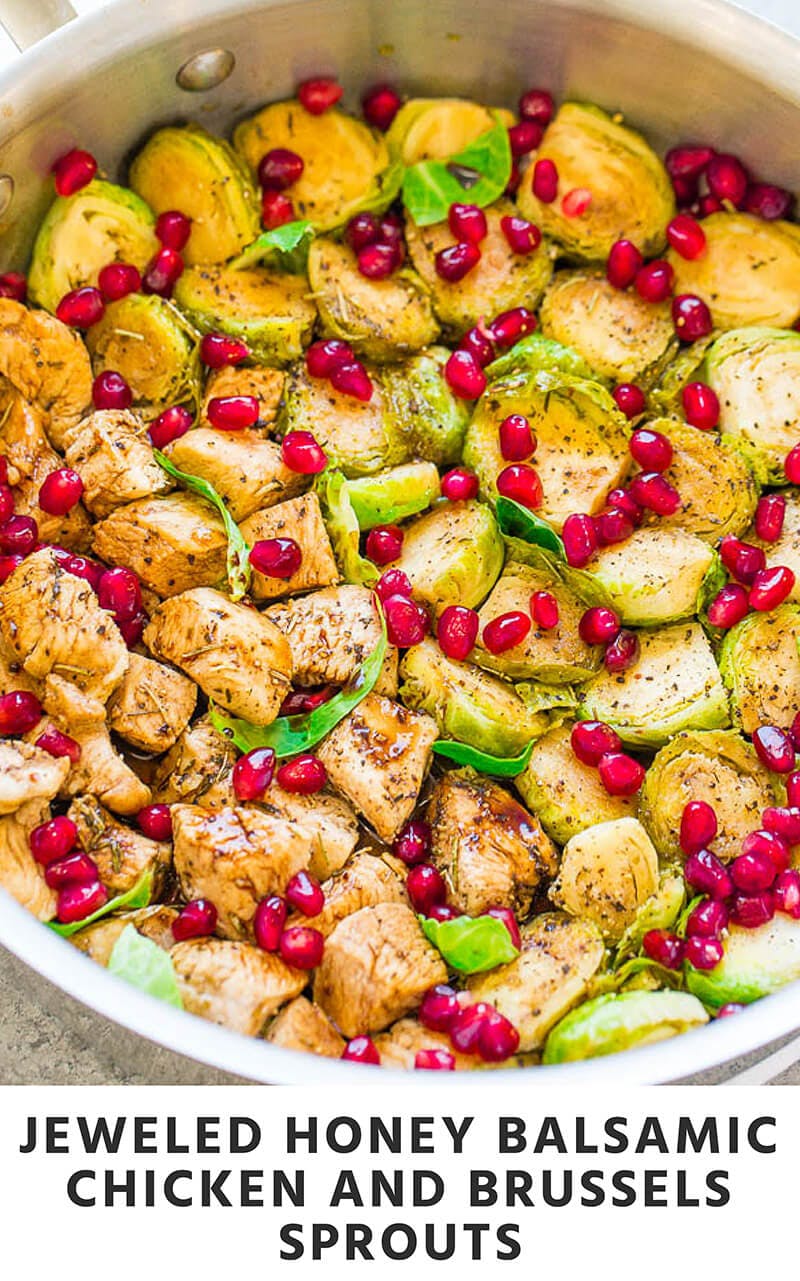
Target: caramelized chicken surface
(110,451)
(47,363)
(234,984)
(171,543)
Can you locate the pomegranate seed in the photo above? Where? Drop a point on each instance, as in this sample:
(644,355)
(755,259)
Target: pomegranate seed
(276,557)
(393,582)
(425,887)
(521,483)
(454,263)
(305,893)
(579,536)
(233,413)
(19,712)
(278,169)
(170,425)
(276,210)
(75,902)
(613,527)
(353,380)
(439,1008)
(498,1039)
(301,701)
(18,536)
(464,376)
(81,308)
(118,279)
(791,465)
(361,1049)
(706,873)
(58,744)
(413,842)
(793,789)
(195,920)
(764,844)
(319,94)
(162,272)
(456,631)
(6,501)
(361,231)
(622,652)
(506,631)
(708,205)
(545,181)
(743,560)
(305,775)
(783,821)
(630,399)
(391,228)
(517,441)
(664,948)
(252,773)
(173,229)
(376,262)
(466,1026)
(624,264)
(131,628)
(727,179)
(110,391)
(598,625)
(575,202)
(538,105)
(74,171)
(326,355)
(523,237)
(53,839)
(787,893)
(544,610)
(459,485)
(729,607)
(434,1061)
(700,406)
(119,592)
(510,326)
(384,544)
(774,748)
(524,137)
(770,513)
(592,740)
(686,191)
(478,345)
(698,826)
(13,285)
(688,161)
(620,774)
(468,224)
(406,621)
(302,947)
(302,454)
(771,587)
(691,317)
(686,236)
(650,449)
(652,491)
(380,105)
(752,872)
(156,822)
(732,1007)
(794,731)
(708,919)
(508,919)
(90,570)
(752,910)
(218,351)
(703,953)
(268,922)
(60,491)
(74,869)
(654,281)
(765,200)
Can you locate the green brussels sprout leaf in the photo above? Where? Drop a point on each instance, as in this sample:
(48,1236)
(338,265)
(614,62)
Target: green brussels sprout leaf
(535,352)
(478,174)
(238,547)
(470,944)
(393,495)
(500,766)
(285,247)
(343,528)
(143,964)
(518,522)
(137,896)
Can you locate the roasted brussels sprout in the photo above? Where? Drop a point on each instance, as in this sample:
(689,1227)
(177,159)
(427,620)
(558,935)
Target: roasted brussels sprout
(144,338)
(659,912)
(359,437)
(381,319)
(535,352)
(582,449)
(674,684)
(607,873)
(393,495)
(425,410)
(756,375)
(186,168)
(346,167)
(81,234)
(786,549)
(567,796)
(756,963)
(620,335)
(749,273)
(437,128)
(630,192)
(621,1021)
(760,664)
(452,555)
(657,575)
(718,767)
(269,310)
(665,395)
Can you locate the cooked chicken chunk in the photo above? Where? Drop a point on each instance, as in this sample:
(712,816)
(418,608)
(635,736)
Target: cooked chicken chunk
(199,759)
(122,854)
(378,757)
(558,958)
(376,967)
(51,622)
(28,773)
(301,520)
(172,543)
(20,874)
(266,384)
(111,453)
(234,984)
(235,857)
(155,923)
(399,1046)
(246,470)
(607,873)
(14,678)
(366,881)
(331,632)
(301,1025)
(152,706)
(47,363)
(30,459)
(236,656)
(489,848)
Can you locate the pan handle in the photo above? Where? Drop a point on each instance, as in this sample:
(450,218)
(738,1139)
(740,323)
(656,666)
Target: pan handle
(28,21)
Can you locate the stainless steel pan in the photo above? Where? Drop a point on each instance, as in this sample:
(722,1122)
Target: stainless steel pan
(680,69)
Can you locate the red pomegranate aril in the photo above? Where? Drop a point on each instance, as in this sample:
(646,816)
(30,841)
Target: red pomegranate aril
(575,203)
(362,230)
(691,317)
(13,285)
(688,161)
(592,740)
(510,326)
(630,399)
(76,902)
(767,201)
(517,441)
(620,774)
(650,449)
(131,629)
(686,191)
(19,712)
(506,631)
(74,171)
(393,582)
(464,376)
(278,169)
(425,886)
(654,492)
(793,789)
(76,868)
(654,281)
(622,652)
(252,773)
(276,210)
(173,229)
(459,485)
(686,236)
(764,844)
(522,484)
(731,1007)
(467,223)
(53,840)
(729,606)
(276,557)
(457,631)
(703,953)
(361,1049)
(407,621)
(196,919)
(434,1061)
(791,466)
(623,264)
(752,873)
(752,910)
(498,1039)
(774,748)
(787,893)
(170,425)
(538,105)
(118,279)
(268,922)
(305,893)
(60,491)
(155,821)
(743,560)
(319,94)
(598,625)
(698,826)
(57,743)
(507,918)
(119,591)
(478,345)
(303,775)
(794,732)
(413,842)
(326,355)
(621,499)
(302,947)
(664,948)
(579,536)
(162,272)
(91,571)
(233,413)
(218,351)
(465,1028)
(613,527)
(384,544)
(110,391)
(439,1008)
(456,261)
(708,919)
(6,501)
(353,380)
(302,454)
(376,262)
(298,702)
(783,821)
(524,137)
(544,611)
(18,536)
(708,874)
(544,183)
(769,517)
(771,587)
(380,105)
(708,204)
(727,179)
(523,237)
(81,308)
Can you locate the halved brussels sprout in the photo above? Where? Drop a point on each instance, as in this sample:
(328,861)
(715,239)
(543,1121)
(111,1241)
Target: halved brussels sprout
(269,310)
(718,767)
(452,555)
(760,664)
(381,319)
(564,794)
(582,449)
(535,352)
(473,706)
(346,166)
(756,375)
(659,912)
(657,575)
(424,409)
(437,128)
(621,1021)
(685,368)
(501,280)
(359,437)
(756,963)
(80,234)
(749,273)
(145,338)
(607,873)
(620,335)
(631,194)
(786,549)
(183,167)
(674,684)
(393,495)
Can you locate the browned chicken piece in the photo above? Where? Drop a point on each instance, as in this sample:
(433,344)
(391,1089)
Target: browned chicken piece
(366,881)
(171,543)
(331,632)
(246,470)
(235,857)
(376,967)
(155,923)
(377,757)
(30,459)
(199,759)
(111,453)
(558,958)
(234,984)
(28,773)
(47,363)
(152,706)
(13,676)
(237,656)
(301,520)
(489,848)
(51,622)
(266,384)
(301,1025)
(399,1046)
(20,874)
(122,854)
